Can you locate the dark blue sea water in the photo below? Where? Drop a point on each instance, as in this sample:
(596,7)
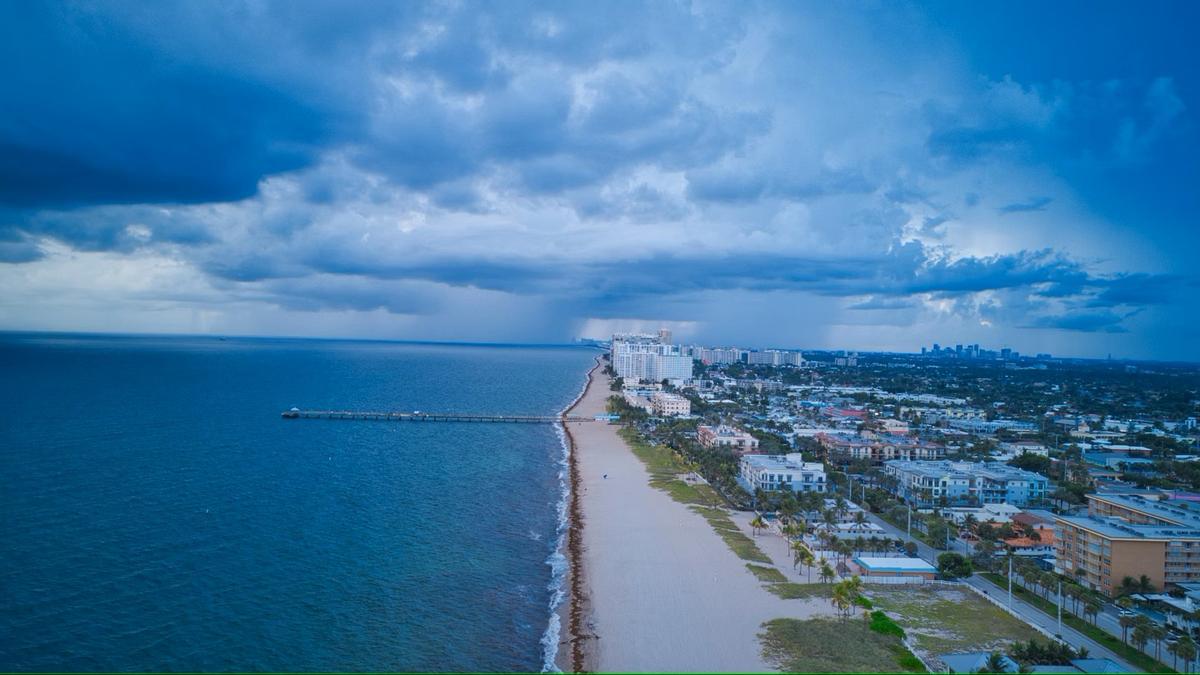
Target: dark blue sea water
(156,513)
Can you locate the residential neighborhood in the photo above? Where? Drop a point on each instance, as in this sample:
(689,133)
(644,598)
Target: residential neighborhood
(1065,492)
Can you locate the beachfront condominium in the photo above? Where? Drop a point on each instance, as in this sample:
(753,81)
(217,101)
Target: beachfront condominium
(1129,536)
(946,483)
(781,472)
(725,436)
(670,405)
(646,357)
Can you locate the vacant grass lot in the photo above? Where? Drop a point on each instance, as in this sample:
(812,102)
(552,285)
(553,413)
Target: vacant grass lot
(944,620)
(834,646)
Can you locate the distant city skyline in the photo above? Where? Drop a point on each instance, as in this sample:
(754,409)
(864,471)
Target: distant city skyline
(807,175)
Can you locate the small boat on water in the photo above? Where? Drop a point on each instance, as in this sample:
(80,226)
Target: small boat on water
(291,414)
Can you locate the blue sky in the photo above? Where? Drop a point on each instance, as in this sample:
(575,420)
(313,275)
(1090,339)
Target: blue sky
(822,175)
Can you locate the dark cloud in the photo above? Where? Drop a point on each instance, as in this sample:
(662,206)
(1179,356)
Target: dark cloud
(352,155)
(16,248)
(95,112)
(1138,290)
(1083,322)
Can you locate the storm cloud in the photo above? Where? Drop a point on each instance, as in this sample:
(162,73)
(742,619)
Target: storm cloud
(519,170)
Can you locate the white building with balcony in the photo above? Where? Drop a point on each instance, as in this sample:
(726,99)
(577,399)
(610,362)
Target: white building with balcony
(781,472)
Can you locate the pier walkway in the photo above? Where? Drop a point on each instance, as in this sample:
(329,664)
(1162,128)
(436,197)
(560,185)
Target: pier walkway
(296,413)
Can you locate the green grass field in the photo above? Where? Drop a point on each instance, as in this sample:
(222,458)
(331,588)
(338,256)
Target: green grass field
(834,645)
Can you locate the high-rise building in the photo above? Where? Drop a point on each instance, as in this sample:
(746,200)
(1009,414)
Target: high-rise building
(645,357)
(664,336)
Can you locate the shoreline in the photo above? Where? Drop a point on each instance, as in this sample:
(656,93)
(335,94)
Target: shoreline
(574,611)
(654,587)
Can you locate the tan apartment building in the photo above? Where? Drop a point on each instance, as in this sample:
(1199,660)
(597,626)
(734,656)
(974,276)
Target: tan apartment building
(670,405)
(1129,536)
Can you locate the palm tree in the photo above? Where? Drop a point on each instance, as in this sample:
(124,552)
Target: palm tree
(1158,633)
(1141,632)
(1128,585)
(830,517)
(1185,648)
(758,524)
(809,560)
(844,551)
(970,522)
(1126,622)
(1092,607)
(841,598)
(1071,594)
(855,584)
(826,574)
(1144,584)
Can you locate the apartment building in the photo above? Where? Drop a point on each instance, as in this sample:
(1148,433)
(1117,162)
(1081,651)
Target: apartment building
(645,357)
(781,472)
(775,357)
(723,435)
(670,405)
(932,483)
(1129,536)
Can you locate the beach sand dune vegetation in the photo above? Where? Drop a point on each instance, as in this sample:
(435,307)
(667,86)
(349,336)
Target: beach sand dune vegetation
(835,645)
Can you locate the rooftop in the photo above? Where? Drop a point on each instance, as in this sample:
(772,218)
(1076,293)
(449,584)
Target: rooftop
(782,462)
(992,470)
(1170,511)
(894,564)
(1116,528)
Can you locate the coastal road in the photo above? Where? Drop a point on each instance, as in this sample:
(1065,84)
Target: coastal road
(1026,611)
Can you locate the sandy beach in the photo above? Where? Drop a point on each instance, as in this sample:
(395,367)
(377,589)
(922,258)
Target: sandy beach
(659,590)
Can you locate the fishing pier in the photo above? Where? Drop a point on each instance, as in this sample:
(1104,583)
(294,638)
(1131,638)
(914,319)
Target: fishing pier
(297,414)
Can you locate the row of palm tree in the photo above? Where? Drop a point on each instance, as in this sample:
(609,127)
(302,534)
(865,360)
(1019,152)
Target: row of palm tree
(1087,604)
(1077,600)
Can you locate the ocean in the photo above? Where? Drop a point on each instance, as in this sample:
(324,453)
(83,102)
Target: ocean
(157,513)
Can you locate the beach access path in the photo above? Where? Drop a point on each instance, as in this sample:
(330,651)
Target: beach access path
(665,592)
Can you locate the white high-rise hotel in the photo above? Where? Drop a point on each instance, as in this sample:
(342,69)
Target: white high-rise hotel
(648,357)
